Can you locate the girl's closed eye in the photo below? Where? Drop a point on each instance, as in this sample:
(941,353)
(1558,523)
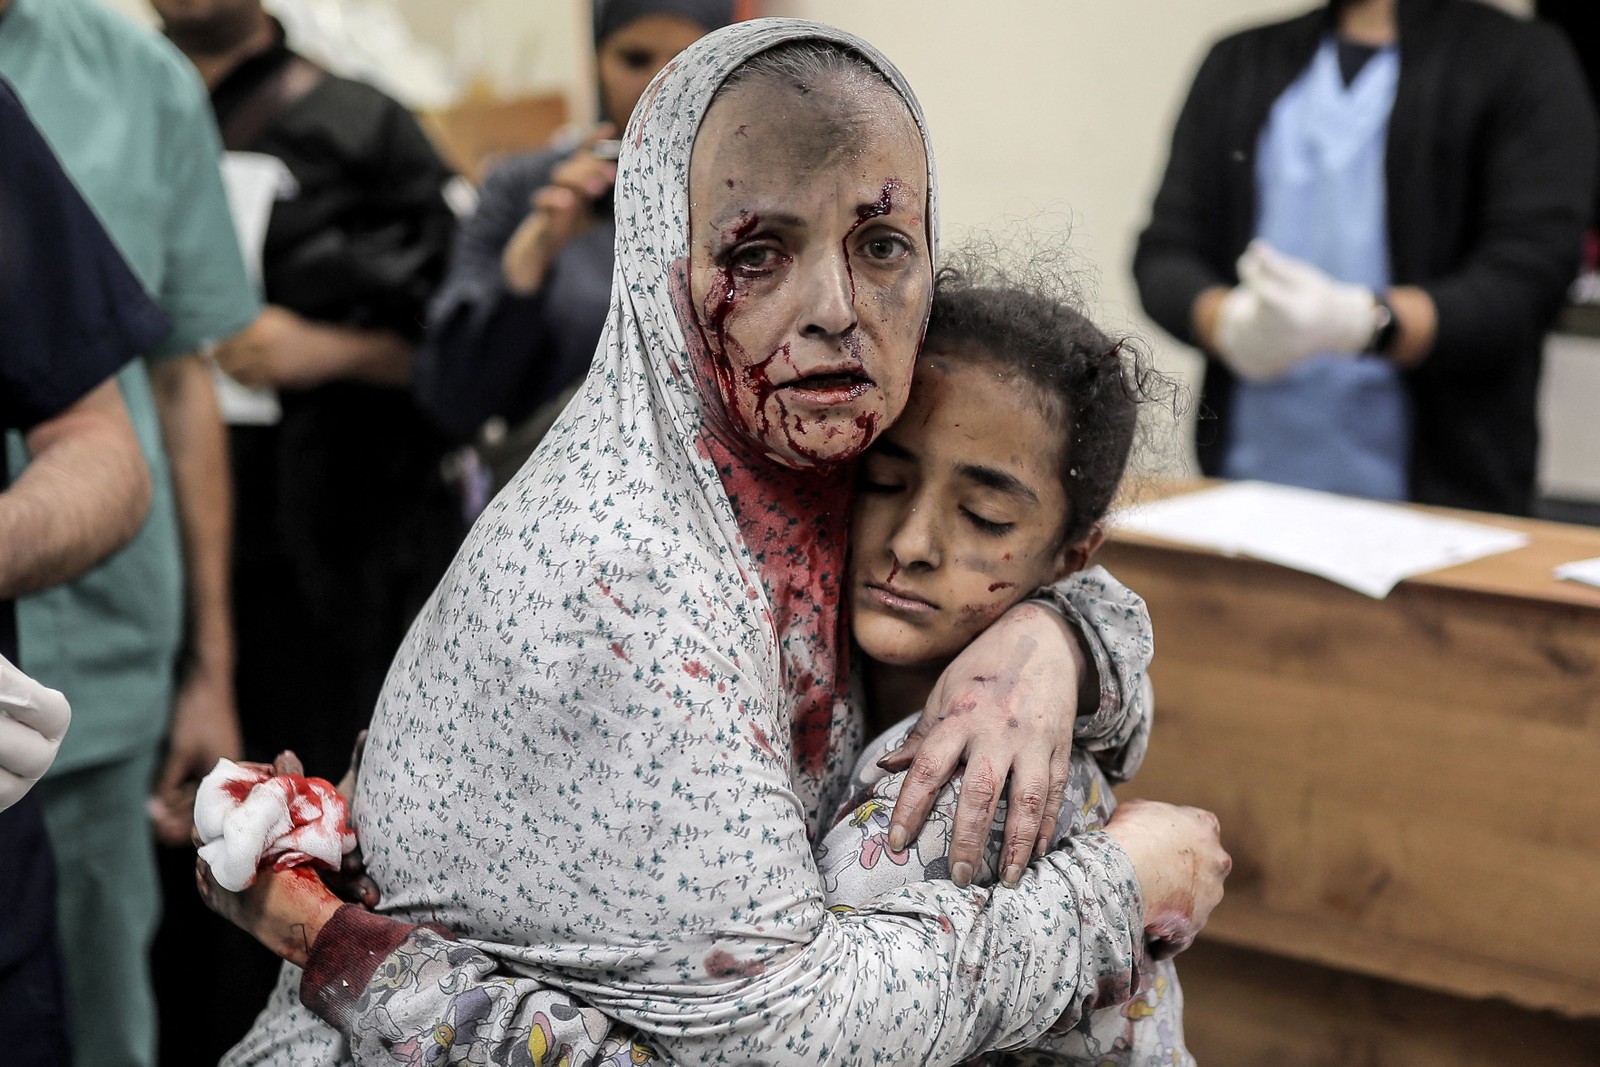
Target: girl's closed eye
(991,527)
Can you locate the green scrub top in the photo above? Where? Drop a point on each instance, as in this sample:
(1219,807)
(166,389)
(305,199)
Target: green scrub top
(130,121)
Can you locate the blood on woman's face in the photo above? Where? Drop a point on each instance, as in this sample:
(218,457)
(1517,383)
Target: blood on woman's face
(809,265)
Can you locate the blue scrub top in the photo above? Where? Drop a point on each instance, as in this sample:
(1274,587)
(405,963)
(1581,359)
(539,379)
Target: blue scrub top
(1332,423)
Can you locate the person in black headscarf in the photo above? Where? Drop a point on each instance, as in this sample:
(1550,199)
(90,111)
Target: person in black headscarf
(514,326)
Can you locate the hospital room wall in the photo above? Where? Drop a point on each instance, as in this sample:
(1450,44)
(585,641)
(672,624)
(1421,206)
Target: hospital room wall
(1051,113)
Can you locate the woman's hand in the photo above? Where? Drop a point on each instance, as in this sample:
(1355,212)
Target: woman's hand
(560,211)
(1005,707)
(351,881)
(1178,857)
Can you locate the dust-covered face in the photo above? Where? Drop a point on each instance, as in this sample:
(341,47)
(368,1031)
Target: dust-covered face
(959,513)
(809,263)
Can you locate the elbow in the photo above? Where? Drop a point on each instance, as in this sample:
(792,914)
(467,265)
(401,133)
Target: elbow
(137,495)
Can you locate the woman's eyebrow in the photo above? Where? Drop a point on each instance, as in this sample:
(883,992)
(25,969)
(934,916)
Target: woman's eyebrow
(744,218)
(999,480)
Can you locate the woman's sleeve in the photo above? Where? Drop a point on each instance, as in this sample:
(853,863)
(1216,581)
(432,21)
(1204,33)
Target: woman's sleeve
(1170,266)
(390,986)
(482,340)
(1116,629)
(1536,176)
(928,974)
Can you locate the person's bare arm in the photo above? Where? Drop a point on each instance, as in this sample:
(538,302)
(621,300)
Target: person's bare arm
(82,496)
(283,349)
(205,723)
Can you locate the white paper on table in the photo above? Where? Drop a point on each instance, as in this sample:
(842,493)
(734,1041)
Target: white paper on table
(1586,571)
(254,182)
(1362,544)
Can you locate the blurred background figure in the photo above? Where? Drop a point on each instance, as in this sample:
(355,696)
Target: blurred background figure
(126,116)
(72,314)
(343,522)
(1368,221)
(514,327)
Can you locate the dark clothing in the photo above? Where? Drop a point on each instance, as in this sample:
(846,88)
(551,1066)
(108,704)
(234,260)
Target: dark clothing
(71,311)
(342,520)
(71,314)
(490,352)
(1490,174)
(611,15)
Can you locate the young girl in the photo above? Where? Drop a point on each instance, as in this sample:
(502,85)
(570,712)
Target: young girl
(992,485)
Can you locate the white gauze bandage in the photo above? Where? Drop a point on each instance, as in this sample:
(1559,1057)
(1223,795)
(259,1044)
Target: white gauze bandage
(248,818)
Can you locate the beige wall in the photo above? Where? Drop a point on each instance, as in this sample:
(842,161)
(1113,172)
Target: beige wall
(1052,113)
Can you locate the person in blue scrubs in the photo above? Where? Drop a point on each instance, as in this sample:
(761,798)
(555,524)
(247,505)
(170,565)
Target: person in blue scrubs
(1369,219)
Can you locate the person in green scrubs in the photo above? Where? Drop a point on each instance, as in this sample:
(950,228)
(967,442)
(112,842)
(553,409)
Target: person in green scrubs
(131,124)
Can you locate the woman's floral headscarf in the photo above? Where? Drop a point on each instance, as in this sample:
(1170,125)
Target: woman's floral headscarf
(633,672)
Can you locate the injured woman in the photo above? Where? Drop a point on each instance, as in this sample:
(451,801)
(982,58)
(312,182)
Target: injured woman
(614,741)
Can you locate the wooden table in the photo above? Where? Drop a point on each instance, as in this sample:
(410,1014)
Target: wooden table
(1410,787)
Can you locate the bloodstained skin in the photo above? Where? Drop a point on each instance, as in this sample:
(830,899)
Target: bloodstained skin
(721,302)
(794,521)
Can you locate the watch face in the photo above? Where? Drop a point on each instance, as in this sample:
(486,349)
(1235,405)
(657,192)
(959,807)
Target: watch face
(1385,327)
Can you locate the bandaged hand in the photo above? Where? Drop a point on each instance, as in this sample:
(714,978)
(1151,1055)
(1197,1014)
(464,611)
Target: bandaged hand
(33,720)
(1284,310)
(249,816)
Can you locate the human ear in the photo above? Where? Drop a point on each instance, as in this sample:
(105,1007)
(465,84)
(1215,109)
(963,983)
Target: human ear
(1075,557)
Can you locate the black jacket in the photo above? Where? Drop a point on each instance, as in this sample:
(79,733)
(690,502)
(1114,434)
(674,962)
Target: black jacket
(1491,175)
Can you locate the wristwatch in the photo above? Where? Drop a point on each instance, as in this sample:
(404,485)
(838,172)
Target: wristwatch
(1385,328)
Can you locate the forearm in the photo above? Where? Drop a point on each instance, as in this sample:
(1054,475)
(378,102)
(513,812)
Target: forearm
(1203,315)
(197,449)
(1113,627)
(1418,321)
(83,495)
(929,974)
(378,357)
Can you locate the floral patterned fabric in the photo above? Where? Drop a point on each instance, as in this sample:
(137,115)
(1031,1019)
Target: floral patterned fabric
(610,738)
(857,865)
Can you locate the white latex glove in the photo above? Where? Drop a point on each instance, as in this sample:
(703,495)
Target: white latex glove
(33,720)
(1284,310)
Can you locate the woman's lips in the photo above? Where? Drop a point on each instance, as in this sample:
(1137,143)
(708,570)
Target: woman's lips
(824,390)
(897,601)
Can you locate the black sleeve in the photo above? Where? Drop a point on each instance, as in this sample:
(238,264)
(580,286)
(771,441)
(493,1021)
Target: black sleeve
(71,311)
(482,341)
(1170,264)
(1537,175)
(365,241)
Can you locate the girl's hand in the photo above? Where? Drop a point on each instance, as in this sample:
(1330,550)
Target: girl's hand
(1004,708)
(1178,857)
(284,910)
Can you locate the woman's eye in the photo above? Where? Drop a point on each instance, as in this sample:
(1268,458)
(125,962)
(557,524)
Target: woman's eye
(754,259)
(988,526)
(878,487)
(885,246)
(636,60)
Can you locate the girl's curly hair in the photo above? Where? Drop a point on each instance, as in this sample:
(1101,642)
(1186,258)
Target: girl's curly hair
(1092,385)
